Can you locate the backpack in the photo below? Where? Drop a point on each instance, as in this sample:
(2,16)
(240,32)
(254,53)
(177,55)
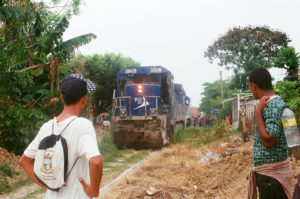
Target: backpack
(51,161)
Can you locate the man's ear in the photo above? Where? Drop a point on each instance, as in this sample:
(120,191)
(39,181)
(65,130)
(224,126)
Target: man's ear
(84,99)
(62,98)
(253,86)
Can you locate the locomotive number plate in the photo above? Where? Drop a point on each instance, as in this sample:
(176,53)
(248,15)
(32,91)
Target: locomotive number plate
(130,71)
(155,70)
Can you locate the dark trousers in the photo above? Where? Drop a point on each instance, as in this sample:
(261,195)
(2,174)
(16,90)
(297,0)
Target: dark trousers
(269,188)
(297,189)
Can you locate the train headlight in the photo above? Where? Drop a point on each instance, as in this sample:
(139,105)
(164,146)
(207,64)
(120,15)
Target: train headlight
(140,89)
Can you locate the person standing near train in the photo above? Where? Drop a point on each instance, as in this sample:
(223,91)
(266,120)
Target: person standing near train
(272,172)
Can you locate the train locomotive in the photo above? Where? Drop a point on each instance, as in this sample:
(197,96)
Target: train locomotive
(148,107)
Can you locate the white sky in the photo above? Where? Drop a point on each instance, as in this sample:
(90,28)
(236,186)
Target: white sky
(176,33)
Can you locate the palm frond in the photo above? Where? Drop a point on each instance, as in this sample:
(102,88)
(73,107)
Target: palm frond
(65,49)
(7,12)
(54,36)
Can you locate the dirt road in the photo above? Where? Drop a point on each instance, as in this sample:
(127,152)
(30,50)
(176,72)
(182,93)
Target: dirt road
(218,171)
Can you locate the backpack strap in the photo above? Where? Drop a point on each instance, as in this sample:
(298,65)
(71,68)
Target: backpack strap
(65,149)
(70,170)
(65,126)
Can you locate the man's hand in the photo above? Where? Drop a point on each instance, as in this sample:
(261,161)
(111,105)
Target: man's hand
(262,104)
(96,168)
(88,188)
(267,139)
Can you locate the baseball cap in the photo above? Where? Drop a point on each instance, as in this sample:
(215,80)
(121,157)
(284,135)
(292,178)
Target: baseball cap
(72,80)
(75,86)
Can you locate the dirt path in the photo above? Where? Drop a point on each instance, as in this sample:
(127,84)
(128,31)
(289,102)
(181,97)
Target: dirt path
(218,171)
(105,188)
(22,192)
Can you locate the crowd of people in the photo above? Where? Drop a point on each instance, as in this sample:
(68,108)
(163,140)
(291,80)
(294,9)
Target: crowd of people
(202,121)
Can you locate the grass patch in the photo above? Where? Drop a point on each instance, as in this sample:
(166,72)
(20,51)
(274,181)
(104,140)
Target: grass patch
(5,187)
(115,159)
(198,136)
(235,131)
(6,172)
(202,136)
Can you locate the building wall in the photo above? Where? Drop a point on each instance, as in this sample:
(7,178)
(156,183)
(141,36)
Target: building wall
(250,106)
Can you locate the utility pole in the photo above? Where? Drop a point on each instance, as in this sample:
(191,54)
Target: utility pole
(222,92)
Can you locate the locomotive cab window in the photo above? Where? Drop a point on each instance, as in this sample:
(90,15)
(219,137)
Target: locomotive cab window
(152,79)
(136,80)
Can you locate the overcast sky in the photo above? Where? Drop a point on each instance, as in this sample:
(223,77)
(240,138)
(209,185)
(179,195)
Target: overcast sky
(176,33)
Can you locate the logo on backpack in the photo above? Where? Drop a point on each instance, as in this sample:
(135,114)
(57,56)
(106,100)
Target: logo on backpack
(47,166)
(51,161)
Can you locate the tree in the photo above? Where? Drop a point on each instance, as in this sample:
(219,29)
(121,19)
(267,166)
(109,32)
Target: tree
(212,97)
(288,59)
(103,69)
(245,48)
(32,60)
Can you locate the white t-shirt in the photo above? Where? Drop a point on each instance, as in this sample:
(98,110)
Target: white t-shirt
(82,144)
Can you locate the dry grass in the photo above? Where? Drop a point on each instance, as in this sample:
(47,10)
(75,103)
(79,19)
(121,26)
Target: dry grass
(178,172)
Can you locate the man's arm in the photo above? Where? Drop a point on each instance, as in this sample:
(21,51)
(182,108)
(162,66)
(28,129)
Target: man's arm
(27,164)
(267,139)
(96,168)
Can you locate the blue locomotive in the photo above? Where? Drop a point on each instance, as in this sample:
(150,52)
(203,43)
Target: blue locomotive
(147,107)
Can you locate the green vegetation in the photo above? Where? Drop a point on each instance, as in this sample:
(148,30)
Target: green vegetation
(288,59)
(33,60)
(289,91)
(245,48)
(6,171)
(212,98)
(114,159)
(202,136)
(103,69)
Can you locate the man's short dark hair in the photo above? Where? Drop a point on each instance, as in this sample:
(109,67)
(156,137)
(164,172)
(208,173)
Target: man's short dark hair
(73,90)
(261,77)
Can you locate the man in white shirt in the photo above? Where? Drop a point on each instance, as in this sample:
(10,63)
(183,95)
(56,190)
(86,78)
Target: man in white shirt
(85,162)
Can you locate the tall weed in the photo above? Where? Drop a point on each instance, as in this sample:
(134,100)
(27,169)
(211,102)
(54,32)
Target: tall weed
(201,136)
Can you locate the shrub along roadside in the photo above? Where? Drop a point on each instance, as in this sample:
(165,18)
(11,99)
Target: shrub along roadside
(202,136)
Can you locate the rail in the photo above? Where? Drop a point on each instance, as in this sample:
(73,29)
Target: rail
(118,99)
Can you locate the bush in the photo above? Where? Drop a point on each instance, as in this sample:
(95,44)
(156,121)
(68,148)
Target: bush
(198,136)
(107,144)
(6,170)
(289,91)
(220,128)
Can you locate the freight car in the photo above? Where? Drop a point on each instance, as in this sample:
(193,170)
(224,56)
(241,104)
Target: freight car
(148,107)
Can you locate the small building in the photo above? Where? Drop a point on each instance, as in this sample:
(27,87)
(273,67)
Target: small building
(250,106)
(194,112)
